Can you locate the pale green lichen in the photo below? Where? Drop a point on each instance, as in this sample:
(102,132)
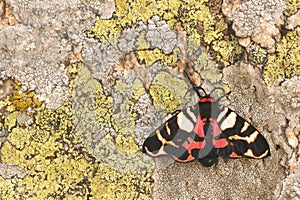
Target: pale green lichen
(168,93)
(137,90)
(124,117)
(286,61)
(7,189)
(123,185)
(11,120)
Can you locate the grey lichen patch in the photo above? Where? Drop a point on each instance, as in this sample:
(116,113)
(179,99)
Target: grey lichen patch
(47,36)
(289,94)
(146,118)
(10,170)
(290,188)
(286,99)
(23,57)
(249,15)
(159,35)
(259,20)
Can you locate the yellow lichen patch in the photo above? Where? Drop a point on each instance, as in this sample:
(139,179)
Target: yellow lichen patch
(40,135)
(286,62)
(225,46)
(23,99)
(202,28)
(257,55)
(148,57)
(168,92)
(121,173)
(11,120)
(7,189)
(127,144)
(164,99)
(19,137)
(103,106)
(137,90)
(55,165)
(101,31)
(124,185)
(292,6)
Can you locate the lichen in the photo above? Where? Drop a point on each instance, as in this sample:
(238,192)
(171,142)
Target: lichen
(123,185)
(257,55)
(54,158)
(47,162)
(7,189)
(11,120)
(292,6)
(150,56)
(286,62)
(202,27)
(24,99)
(168,92)
(107,131)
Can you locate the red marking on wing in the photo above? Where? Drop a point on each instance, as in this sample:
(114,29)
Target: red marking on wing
(215,126)
(198,129)
(221,143)
(234,155)
(190,158)
(190,144)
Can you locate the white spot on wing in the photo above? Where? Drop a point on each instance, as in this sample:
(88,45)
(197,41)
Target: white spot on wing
(191,114)
(159,153)
(245,127)
(168,129)
(249,139)
(184,123)
(229,121)
(222,114)
(250,154)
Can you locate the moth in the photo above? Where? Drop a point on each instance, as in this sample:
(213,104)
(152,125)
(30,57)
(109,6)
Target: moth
(204,132)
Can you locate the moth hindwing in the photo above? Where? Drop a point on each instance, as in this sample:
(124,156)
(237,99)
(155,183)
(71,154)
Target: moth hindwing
(204,132)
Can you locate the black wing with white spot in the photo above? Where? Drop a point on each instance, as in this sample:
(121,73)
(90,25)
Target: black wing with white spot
(243,138)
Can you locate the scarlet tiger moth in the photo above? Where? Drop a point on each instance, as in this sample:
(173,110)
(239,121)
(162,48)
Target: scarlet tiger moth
(204,132)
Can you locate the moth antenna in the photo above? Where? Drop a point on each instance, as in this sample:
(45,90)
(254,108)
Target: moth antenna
(223,92)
